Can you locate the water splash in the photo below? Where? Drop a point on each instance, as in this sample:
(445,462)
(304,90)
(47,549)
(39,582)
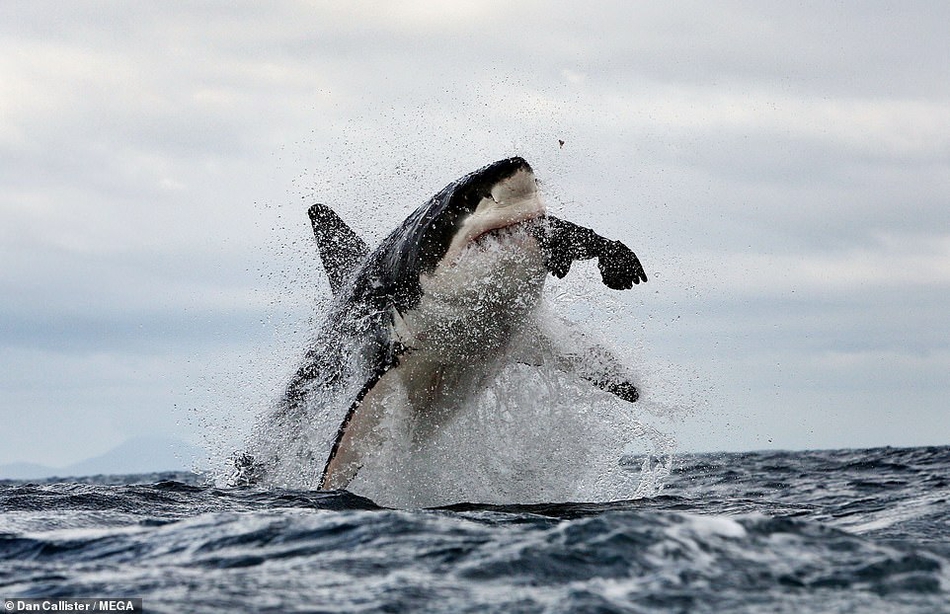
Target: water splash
(534,435)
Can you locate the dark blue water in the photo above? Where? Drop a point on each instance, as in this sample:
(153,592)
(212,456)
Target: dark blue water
(838,531)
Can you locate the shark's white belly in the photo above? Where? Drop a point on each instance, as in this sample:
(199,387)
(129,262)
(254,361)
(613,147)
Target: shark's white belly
(470,311)
(470,308)
(454,339)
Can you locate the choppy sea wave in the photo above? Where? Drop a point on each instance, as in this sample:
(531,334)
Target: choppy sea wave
(832,531)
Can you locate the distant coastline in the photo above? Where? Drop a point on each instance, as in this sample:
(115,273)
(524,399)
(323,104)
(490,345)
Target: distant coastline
(136,455)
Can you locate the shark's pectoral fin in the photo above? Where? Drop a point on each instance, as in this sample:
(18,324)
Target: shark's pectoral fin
(530,347)
(620,388)
(574,352)
(341,249)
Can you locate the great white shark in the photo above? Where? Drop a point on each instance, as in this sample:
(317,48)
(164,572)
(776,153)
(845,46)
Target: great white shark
(427,317)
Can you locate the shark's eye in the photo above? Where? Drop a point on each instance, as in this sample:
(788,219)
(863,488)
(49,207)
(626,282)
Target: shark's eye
(472,199)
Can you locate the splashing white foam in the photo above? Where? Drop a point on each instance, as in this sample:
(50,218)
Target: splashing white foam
(533,434)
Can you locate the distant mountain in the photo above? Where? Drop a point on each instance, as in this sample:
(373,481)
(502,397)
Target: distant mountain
(25,471)
(137,455)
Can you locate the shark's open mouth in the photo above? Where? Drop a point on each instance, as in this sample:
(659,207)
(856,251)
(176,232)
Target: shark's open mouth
(516,230)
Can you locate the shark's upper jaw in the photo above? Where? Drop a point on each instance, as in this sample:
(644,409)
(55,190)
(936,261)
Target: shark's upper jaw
(511,200)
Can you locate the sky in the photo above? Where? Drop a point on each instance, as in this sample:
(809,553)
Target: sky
(782,170)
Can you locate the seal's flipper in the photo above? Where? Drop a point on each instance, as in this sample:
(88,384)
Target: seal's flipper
(619,266)
(341,249)
(563,242)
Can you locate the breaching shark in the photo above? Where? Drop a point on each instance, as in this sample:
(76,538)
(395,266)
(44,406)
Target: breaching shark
(431,314)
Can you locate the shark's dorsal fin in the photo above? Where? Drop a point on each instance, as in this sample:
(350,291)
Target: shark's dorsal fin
(341,249)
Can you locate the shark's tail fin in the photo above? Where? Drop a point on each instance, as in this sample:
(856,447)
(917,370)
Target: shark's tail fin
(341,250)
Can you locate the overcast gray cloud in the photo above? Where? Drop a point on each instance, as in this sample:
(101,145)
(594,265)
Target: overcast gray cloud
(783,172)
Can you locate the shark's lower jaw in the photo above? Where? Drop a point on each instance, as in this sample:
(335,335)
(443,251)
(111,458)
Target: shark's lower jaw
(513,201)
(511,237)
(474,304)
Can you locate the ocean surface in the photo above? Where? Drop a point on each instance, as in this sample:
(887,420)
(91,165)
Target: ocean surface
(829,531)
